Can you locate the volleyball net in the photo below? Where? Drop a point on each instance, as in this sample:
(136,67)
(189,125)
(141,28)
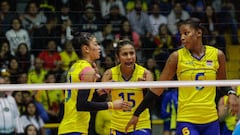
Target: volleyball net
(110,85)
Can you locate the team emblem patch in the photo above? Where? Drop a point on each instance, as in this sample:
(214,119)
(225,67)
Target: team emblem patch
(209,63)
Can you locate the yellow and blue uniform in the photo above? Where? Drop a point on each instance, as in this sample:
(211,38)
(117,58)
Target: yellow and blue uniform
(196,104)
(197,98)
(74,120)
(134,96)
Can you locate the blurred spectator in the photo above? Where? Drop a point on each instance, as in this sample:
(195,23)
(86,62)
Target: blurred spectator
(115,18)
(6,16)
(104,37)
(107,63)
(65,14)
(31,116)
(37,74)
(176,15)
(10,121)
(106,6)
(17,95)
(105,33)
(189,6)
(24,57)
(95,3)
(131,4)
(228,16)
(140,23)
(22,78)
(44,33)
(17,35)
(200,8)
(89,21)
(126,32)
(152,66)
(14,70)
(217,5)
(156,18)
(139,20)
(68,56)
(33,19)
(30,129)
(50,56)
(5,54)
(108,46)
(195,8)
(165,6)
(78,6)
(5,76)
(50,99)
(164,46)
(213,25)
(29,97)
(66,28)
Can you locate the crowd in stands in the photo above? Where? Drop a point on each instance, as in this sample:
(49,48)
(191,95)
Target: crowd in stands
(35,45)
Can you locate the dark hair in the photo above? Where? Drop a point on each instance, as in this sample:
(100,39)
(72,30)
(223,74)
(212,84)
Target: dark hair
(26,129)
(80,39)
(49,73)
(122,43)
(196,24)
(15,92)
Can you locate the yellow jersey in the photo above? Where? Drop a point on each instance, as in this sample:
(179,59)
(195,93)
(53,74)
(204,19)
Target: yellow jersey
(196,104)
(134,96)
(73,120)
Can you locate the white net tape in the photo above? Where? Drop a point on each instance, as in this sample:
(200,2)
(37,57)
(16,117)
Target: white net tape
(106,85)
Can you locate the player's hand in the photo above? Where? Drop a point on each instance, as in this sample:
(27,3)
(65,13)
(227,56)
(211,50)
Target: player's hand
(233,104)
(133,121)
(120,104)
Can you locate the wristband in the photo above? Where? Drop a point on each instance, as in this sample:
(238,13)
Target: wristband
(231,92)
(110,105)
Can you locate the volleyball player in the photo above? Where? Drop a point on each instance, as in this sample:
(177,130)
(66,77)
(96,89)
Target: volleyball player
(78,102)
(128,71)
(197,113)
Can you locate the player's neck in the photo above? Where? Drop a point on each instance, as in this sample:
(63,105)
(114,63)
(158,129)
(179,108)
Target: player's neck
(127,72)
(198,52)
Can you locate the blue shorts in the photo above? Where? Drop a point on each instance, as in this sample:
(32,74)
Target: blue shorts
(136,132)
(225,130)
(186,128)
(166,125)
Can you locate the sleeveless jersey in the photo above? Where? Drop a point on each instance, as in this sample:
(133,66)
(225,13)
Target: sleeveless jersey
(134,96)
(73,120)
(196,104)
